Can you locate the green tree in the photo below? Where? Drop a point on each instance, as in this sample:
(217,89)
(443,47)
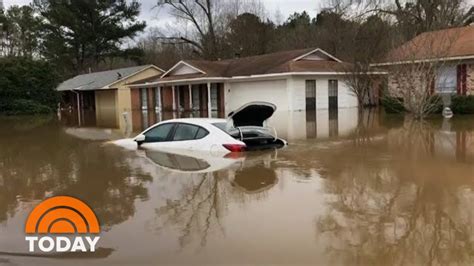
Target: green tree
(297,32)
(27,86)
(20,28)
(248,35)
(80,34)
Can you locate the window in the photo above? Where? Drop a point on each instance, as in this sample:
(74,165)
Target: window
(159,133)
(201,133)
(333,94)
(189,132)
(446,79)
(222,126)
(311,95)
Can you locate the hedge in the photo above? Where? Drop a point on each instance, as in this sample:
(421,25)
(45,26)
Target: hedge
(24,107)
(463,104)
(27,86)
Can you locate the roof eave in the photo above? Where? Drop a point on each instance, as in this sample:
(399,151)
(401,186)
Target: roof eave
(416,61)
(249,77)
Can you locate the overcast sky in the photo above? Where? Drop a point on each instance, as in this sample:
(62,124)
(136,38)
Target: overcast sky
(156,17)
(160,17)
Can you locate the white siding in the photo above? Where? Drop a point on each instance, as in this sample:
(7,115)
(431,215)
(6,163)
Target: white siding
(240,93)
(348,119)
(294,125)
(287,94)
(346,99)
(183,70)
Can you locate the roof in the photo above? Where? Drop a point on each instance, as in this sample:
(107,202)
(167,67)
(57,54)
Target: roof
(100,80)
(285,62)
(447,44)
(278,62)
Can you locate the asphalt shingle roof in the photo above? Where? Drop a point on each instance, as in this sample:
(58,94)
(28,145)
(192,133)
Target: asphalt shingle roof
(98,80)
(454,42)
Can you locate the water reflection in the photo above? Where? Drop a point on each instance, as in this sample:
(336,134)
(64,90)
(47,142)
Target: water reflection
(319,124)
(38,159)
(203,199)
(404,202)
(367,189)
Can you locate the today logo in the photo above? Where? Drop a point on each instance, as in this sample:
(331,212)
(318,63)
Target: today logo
(62,224)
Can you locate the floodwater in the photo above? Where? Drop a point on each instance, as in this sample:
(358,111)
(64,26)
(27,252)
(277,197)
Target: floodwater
(350,189)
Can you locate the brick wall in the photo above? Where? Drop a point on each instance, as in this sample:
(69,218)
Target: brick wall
(470,79)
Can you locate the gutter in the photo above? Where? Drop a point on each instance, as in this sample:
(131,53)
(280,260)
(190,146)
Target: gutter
(423,61)
(260,76)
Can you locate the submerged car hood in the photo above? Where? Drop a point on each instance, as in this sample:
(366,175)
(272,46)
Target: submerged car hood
(252,114)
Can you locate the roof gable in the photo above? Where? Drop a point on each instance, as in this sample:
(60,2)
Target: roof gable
(183,68)
(317,55)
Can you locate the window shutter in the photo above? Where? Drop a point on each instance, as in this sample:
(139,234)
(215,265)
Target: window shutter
(464,79)
(459,78)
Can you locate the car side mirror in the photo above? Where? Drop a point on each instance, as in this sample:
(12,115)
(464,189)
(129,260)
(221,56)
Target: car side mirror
(140,139)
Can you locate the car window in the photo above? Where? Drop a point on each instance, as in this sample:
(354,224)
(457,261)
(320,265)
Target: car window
(185,132)
(201,133)
(224,126)
(159,133)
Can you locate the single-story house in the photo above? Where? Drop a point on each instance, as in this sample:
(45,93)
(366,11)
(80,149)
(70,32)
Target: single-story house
(107,92)
(306,79)
(450,51)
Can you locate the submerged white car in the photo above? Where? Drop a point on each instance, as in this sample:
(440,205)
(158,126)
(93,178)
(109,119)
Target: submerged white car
(244,130)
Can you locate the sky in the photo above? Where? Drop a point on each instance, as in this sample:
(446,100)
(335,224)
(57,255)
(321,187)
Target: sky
(157,17)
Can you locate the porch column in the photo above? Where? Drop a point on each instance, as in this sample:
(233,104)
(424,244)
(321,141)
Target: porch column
(79,108)
(158,99)
(174,98)
(209,105)
(190,87)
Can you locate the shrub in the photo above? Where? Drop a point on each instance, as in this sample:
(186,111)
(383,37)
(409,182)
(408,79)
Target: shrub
(438,101)
(27,86)
(463,104)
(392,105)
(24,107)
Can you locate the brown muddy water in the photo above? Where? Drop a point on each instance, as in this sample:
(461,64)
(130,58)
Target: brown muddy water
(367,190)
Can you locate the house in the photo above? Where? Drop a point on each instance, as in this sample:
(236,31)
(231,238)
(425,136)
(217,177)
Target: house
(105,93)
(450,51)
(298,80)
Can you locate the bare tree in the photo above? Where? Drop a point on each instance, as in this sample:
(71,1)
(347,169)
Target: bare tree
(415,68)
(209,19)
(361,80)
